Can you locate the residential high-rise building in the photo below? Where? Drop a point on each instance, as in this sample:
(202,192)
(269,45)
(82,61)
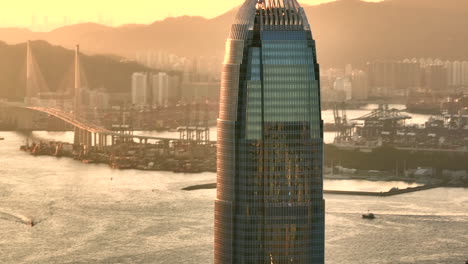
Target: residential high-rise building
(408,74)
(157,89)
(456,74)
(344,84)
(436,77)
(348,70)
(359,86)
(394,78)
(96,99)
(382,77)
(140,88)
(464,73)
(269,205)
(160,88)
(174,93)
(449,66)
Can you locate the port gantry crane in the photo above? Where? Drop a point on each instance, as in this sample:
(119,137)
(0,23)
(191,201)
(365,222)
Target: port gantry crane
(344,129)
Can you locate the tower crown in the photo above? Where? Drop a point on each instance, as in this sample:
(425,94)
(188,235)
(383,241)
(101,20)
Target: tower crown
(271,15)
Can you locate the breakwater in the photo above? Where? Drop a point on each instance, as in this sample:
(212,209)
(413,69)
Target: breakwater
(394,191)
(391,192)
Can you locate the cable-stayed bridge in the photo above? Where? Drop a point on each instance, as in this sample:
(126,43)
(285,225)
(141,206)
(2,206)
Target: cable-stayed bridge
(86,133)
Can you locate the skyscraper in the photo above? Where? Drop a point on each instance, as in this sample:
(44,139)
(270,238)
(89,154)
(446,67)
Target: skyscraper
(160,88)
(140,88)
(359,85)
(269,206)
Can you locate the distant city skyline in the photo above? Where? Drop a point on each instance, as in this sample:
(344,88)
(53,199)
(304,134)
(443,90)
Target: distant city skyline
(39,16)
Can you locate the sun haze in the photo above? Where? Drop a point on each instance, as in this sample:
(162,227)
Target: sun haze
(48,14)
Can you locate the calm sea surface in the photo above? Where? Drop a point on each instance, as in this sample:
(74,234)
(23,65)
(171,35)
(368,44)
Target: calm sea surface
(92,214)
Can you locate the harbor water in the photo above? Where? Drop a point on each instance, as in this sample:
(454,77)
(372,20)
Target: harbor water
(327,116)
(92,214)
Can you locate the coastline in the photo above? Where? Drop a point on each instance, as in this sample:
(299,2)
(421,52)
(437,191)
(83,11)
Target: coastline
(124,156)
(186,158)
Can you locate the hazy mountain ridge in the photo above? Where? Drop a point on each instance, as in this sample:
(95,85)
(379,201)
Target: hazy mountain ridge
(346,31)
(56,64)
(451,5)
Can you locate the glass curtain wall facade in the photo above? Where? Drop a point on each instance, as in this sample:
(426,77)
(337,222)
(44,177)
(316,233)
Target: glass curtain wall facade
(269,206)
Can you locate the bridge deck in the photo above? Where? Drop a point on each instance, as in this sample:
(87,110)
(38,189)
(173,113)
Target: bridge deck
(70,118)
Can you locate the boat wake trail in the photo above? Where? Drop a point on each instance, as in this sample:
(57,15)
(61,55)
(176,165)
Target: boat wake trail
(22,219)
(17,218)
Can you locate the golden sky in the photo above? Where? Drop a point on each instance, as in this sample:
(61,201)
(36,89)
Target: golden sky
(43,15)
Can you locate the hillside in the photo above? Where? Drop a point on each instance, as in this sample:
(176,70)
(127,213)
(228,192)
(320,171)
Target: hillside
(347,31)
(56,65)
(356,32)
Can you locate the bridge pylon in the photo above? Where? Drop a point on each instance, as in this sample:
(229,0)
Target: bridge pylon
(78,137)
(29,70)
(77,86)
(35,83)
